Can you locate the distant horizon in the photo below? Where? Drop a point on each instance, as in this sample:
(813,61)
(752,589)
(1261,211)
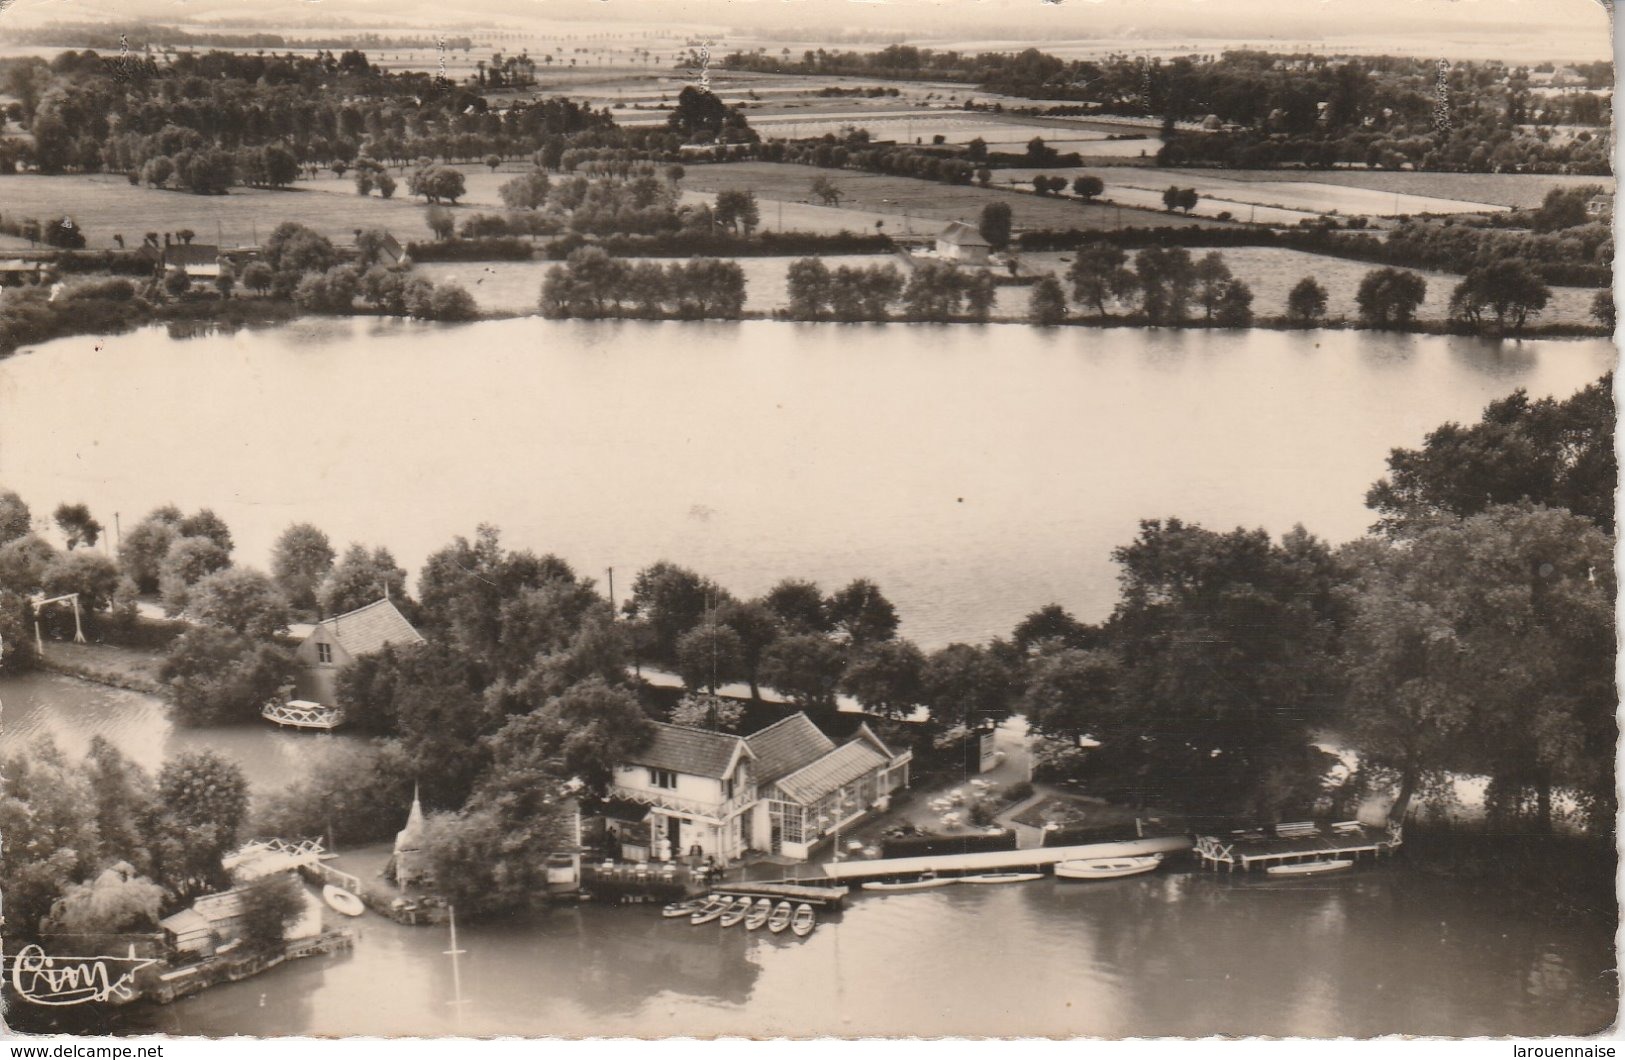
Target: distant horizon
(1576,30)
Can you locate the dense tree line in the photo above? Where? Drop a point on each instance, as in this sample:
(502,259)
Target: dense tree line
(593,284)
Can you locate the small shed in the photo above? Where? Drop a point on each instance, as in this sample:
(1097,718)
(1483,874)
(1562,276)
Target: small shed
(962,242)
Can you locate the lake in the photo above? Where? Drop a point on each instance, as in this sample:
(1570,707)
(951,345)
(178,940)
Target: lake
(975,473)
(1382,951)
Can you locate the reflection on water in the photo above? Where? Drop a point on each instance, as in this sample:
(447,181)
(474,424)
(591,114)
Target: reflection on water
(976,473)
(72,712)
(1383,951)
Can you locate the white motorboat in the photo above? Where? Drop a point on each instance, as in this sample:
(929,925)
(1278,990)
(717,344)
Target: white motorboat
(342,901)
(924,882)
(1001,877)
(1310,868)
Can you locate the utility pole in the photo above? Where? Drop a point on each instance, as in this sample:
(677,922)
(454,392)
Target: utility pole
(612,594)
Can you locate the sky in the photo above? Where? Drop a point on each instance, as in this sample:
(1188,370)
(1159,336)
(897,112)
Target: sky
(1581,26)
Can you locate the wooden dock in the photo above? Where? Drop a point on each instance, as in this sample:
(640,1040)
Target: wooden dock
(1296,843)
(1032,859)
(823,897)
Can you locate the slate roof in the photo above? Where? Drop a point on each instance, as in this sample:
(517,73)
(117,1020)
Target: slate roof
(843,765)
(186,922)
(787,745)
(697,752)
(367,629)
(962,234)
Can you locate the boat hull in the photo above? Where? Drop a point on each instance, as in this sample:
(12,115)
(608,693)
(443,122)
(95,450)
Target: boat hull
(1001,877)
(1309,868)
(1106,868)
(913,885)
(342,901)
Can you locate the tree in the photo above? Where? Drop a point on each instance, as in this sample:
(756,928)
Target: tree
(1099,272)
(1235,305)
(104,914)
(709,656)
(1485,646)
(90,574)
(15,519)
(592,728)
(205,524)
(257,277)
(441,221)
(1171,197)
(1088,187)
(493,161)
(1053,626)
(1165,276)
(1069,692)
(293,247)
(1390,297)
(799,605)
(1187,200)
(672,600)
(886,676)
(1211,275)
(240,600)
(23,563)
(203,801)
(122,803)
(994,224)
(270,906)
(528,191)
(143,547)
(156,171)
(385,184)
(46,837)
(757,627)
(708,712)
(361,578)
(1602,308)
(1047,304)
(188,561)
(1225,642)
(177,282)
(1508,288)
(300,560)
(861,613)
(808,286)
(967,685)
(1551,452)
(828,192)
(804,667)
(736,209)
(215,677)
(1306,302)
(437,183)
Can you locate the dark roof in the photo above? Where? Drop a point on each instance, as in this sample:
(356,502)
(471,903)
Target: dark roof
(191,254)
(367,629)
(841,766)
(787,745)
(697,752)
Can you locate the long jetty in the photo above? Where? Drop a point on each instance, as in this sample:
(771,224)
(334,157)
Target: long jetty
(1032,859)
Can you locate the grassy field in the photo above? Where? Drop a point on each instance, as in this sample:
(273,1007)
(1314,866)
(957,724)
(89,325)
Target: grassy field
(871,194)
(1271,272)
(1501,189)
(103,205)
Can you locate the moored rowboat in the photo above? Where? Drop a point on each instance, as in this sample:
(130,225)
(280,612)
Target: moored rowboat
(1001,877)
(737,913)
(713,908)
(759,914)
(804,922)
(343,901)
(688,908)
(924,882)
(1106,868)
(1309,868)
(780,918)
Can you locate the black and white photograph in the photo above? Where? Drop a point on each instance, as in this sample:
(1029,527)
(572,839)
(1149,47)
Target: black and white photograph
(795,519)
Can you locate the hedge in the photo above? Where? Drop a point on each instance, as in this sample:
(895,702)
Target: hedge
(495,248)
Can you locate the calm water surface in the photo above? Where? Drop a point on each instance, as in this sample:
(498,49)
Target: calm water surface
(975,472)
(1384,951)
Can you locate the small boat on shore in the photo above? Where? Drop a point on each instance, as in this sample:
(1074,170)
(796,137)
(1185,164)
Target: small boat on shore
(735,913)
(1310,868)
(1106,868)
(804,921)
(1001,877)
(759,914)
(714,907)
(342,901)
(924,882)
(688,908)
(780,918)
